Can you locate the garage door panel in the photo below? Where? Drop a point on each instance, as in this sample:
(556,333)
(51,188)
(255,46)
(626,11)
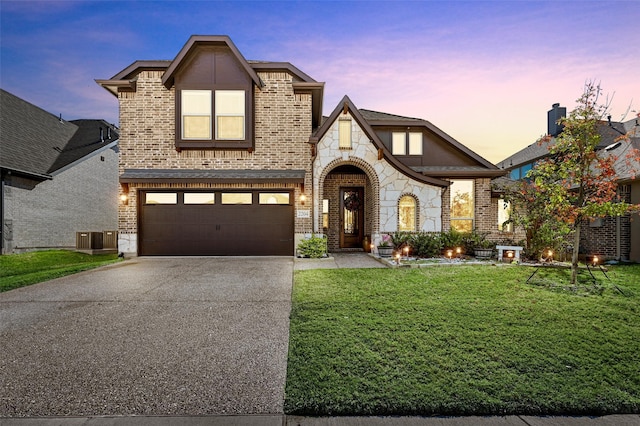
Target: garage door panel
(216,229)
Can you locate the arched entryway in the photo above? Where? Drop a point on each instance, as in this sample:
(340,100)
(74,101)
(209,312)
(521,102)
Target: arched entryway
(349,202)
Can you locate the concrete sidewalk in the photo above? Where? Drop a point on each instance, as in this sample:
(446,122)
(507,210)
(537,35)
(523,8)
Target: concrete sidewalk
(282,420)
(340,260)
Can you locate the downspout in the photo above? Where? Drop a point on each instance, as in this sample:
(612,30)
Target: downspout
(1,213)
(618,242)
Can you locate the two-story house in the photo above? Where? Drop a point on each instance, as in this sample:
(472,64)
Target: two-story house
(220,155)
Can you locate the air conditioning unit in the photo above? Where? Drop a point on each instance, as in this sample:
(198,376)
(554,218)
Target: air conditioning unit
(88,240)
(110,239)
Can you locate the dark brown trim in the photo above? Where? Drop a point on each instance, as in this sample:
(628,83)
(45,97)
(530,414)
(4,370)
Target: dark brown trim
(281,66)
(135,68)
(438,132)
(115,86)
(194,41)
(317,93)
(465,173)
(211,176)
(364,125)
(248,143)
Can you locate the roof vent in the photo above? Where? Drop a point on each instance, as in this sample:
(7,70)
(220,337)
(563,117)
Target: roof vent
(613,146)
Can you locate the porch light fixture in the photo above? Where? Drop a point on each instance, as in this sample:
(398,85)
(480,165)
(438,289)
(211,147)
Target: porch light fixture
(124,199)
(303,198)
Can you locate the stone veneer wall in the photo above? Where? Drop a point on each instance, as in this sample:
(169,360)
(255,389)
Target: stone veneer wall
(147,141)
(387,184)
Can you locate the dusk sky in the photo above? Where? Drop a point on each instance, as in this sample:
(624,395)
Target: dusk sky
(485,72)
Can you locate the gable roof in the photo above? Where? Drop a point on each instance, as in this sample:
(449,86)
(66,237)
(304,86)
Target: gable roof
(35,143)
(126,80)
(91,136)
(376,118)
(346,103)
(199,40)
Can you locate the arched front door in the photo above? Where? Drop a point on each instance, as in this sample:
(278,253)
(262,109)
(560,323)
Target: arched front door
(351,217)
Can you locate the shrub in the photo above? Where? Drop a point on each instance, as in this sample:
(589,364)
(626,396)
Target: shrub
(314,247)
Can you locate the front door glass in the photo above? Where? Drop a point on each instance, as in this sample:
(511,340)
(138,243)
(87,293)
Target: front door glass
(352,218)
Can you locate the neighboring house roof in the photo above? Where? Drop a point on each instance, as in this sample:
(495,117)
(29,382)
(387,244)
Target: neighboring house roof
(91,136)
(610,132)
(36,143)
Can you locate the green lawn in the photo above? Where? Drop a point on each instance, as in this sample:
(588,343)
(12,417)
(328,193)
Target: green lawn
(463,340)
(17,270)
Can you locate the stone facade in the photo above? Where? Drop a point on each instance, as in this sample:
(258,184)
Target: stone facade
(384,185)
(147,141)
(80,197)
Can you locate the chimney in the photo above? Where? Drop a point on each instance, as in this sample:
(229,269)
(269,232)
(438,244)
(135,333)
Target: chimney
(555,113)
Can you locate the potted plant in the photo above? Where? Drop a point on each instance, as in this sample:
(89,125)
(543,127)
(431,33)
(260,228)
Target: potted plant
(483,248)
(385,248)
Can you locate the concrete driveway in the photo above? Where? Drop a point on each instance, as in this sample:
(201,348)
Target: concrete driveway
(150,336)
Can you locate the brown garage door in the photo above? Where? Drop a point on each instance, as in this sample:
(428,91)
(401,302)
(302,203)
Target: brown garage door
(220,223)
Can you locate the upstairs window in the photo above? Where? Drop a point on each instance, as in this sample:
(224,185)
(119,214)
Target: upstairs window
(214,119)
(398,143)
(229,114)
(196,114)
(415,143)
(403,143)
(344,133)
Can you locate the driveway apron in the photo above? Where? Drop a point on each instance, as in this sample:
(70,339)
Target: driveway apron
(150,336)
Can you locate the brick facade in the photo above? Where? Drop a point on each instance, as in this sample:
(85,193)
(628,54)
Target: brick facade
(147,141)
(610,237)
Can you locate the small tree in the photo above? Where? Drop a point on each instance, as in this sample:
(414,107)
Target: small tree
(577,181)
(529,212)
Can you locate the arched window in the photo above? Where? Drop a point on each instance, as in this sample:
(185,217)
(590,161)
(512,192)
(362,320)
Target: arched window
(407,217)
